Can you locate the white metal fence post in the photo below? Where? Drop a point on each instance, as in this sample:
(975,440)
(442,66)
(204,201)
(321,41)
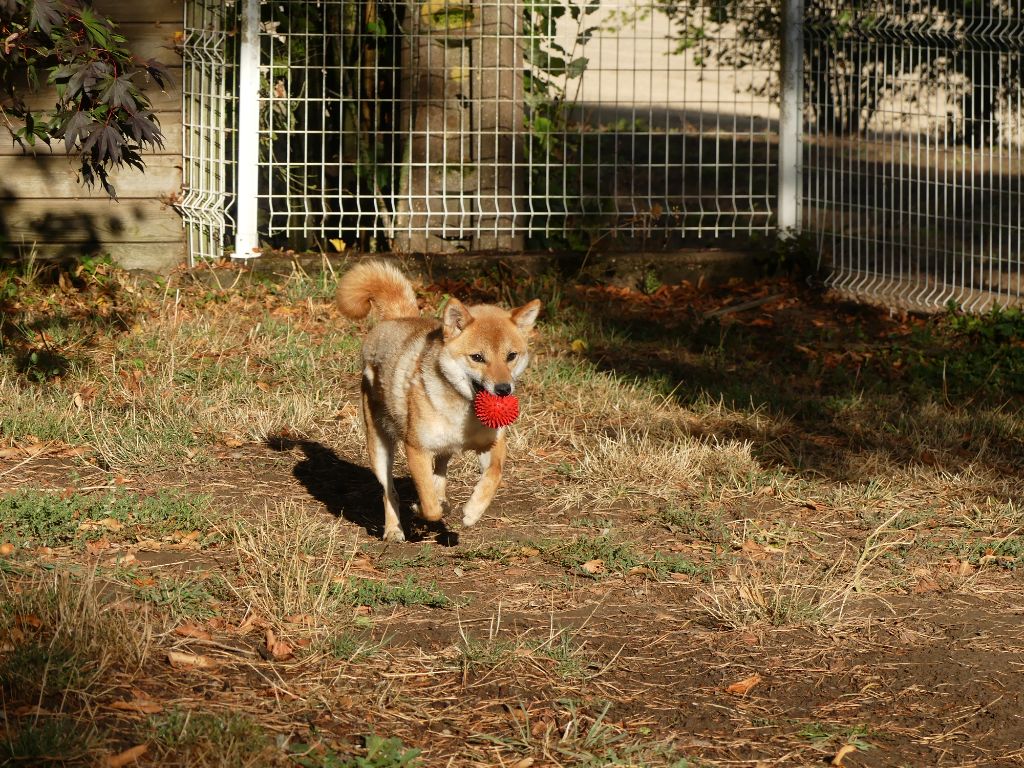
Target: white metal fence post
(248,139)
(790,116)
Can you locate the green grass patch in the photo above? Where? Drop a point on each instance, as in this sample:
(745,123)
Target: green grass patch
(208,738)
(380,752)
(583,554)
(49,741)
(47,518)
(587,740)
(352,646)
(484,653)
(41,667)
(826,736)
(698,523)
(491,552)
(1007,552)
(182,597)
(425,557)
(360,591)
(570,662)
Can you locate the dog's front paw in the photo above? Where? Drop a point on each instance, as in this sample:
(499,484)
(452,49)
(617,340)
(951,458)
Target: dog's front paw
(431,515)
(471,515)
(394,535)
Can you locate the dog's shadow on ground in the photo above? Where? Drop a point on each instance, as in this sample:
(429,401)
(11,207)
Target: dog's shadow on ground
(350,491)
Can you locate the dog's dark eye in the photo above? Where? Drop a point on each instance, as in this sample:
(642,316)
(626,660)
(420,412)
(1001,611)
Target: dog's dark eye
(512,356)
(476,357)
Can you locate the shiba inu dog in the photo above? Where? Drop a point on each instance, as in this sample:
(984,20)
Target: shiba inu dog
(420,377)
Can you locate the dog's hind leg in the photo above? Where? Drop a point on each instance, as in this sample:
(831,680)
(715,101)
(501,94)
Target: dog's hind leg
(381,451)
(491,464)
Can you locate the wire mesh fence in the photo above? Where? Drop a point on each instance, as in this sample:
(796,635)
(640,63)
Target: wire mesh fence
(448,125)
(208,120)
(914,148)
(432,125)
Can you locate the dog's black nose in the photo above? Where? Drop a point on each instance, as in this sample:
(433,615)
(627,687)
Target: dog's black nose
(502,389)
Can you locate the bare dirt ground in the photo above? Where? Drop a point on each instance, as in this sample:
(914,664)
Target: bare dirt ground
(743,525)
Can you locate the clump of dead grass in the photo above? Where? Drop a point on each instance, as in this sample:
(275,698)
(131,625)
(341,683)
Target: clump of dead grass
(64,641)
(634,467)
(620,441)
(288,564)
(757,595)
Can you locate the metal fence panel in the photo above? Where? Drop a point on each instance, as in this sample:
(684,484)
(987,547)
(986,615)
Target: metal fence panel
(913,149)
(432,125)
(208,107)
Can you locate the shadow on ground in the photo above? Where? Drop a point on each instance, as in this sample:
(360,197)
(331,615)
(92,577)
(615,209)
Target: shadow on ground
(350,491)
(46,338)
(819,386)
(834,381)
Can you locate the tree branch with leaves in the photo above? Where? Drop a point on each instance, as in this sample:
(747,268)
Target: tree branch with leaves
(101,113)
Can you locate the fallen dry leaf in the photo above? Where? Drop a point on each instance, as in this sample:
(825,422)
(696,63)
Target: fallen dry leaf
(184,541)
(277,649)
(641,570)
(361,561)
(107,523)
(526,762)
(194,631)
(752,548)
(127,757)
(180,660)
(32,710)
(744,686)
(97,547)
(841,754)
(593,566)
(142,706)
(28,620)
(962,567)
(251,622)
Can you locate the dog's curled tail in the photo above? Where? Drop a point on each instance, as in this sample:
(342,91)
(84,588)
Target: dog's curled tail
(376,285)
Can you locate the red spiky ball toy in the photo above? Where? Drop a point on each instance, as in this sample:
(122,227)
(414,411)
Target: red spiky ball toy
(495,411)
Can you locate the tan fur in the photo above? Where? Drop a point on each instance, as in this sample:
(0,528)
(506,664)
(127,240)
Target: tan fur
(418,386)
(376,285)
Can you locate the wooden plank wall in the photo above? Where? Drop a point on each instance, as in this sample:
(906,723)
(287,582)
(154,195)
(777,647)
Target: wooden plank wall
(42,206)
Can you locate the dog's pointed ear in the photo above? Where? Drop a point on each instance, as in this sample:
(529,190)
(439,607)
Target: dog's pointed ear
(455,319)
(525,316)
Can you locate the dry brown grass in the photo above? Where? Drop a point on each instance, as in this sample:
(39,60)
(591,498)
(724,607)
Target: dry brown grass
(651,547)
(288,560)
